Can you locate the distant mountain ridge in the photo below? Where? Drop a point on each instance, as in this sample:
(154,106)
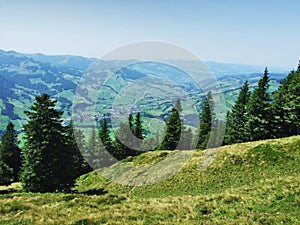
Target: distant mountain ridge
(23,76)
(77,62)
(80,62)
(222,69)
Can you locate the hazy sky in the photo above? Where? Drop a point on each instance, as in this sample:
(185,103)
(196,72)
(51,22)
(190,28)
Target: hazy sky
(258,32)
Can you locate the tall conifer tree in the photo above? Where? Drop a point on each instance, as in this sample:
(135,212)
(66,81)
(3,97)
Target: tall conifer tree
(107,151)
(258,123)
(205,124)
(92,149)
(173,129)
(123,142)
(10,152)
(236,119)
(6,174)
(76,148)
(286,106)
(47,163)
(138,129)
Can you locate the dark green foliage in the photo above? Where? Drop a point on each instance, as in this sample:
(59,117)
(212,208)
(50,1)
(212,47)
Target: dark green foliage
(286,106)
(259,112)
(205,123)
(80,140)
(104,135)
(92,141)
(91,150)
(10,153)
(47,157)
(266,119)
(173,129)
(236,119)
(123,142)
(138,129)
(75,145)
(129,138)
(6,174)
(106,148)
(131,122)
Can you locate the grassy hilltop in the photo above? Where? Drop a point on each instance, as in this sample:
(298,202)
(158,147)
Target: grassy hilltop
(250,183)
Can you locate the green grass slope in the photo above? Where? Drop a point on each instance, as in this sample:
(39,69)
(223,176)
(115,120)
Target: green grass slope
(250,183)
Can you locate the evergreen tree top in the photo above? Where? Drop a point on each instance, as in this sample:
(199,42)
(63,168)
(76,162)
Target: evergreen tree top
(9,133)
(49,155)
(42,106)
(238,109)
(178,105)
(9,150)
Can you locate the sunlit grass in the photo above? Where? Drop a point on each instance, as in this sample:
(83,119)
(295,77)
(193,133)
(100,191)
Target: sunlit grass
(250,183)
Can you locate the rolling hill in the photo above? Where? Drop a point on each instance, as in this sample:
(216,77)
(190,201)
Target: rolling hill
(249,183)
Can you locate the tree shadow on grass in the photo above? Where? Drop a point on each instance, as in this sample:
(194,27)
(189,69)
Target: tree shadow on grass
(100,191)
(11,188)
(8,191)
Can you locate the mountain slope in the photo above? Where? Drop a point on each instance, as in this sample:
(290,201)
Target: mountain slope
(23,76)
(233,166)
(250,183)
(69,61)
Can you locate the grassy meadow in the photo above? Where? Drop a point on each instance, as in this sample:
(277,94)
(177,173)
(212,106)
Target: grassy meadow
(249,183)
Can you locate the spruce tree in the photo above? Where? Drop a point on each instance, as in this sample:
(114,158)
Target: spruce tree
(131,123)
(105,136)
(123,142)
(76,149)
(206,118)
(258,125)
(106,150)
(80,140)
(47,160)
(138,129)
(6,174)
(128,137)
(236,119)
(92,149)
(10,153)
(173,129)
(92,142)
(286,106)
(178,106)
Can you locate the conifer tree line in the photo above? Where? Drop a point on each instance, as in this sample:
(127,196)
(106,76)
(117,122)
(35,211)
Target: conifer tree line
(103,150)
(52,158)
(260,115)
(10,156)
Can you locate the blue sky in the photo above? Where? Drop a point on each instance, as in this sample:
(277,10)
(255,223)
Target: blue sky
(249,32)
